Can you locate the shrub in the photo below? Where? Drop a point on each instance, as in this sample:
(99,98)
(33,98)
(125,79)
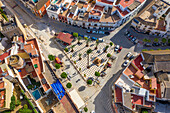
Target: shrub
(167,49)
(85,38)
(164,40)
(151,50)
(75,34)
(108,55)
(51,57)
(149,41)
(30,86)
(156,40)
(145,40)
(12,105)
(169,41)
(85,109)
(97,74)
(4,16)
(111,43)
(57,66)
(144,50)
(18,103)
(89,81)
(158,49)
(74,62)
(69,85)
(66,49)
(25,109)
(13,98)
(63,75)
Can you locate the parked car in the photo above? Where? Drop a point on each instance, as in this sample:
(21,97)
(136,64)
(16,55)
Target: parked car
(107,33)
(116,48)
(101,40)
(133,39)
(125,63)
(93,38)
(101,32)
(89,31)
(130,38)
(163,44)
(119,50)
(148,45)
(131,57)
(127,32)
(95,32)
(155,44)
(128,55)
(103,73)
(86,36)
(136,41)
(129,35)
(64,31)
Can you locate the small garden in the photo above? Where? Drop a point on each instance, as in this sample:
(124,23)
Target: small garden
(34,84)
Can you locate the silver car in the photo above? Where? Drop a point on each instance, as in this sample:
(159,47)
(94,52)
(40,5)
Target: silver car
(117,48)
(125,63)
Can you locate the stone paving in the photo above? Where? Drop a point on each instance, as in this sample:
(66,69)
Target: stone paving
(83,63)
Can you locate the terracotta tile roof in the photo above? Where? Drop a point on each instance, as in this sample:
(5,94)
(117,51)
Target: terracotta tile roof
(136,99)
(2,57)
(30,49)
(1,84)
(71,15)
(123,13)
(100,8)
(105,1)
(153,83)
(65,37)
(93,20)
(160,25)
(118,94)
(85,5)
(126,3)
(2,101)
(95,12)
(137,62)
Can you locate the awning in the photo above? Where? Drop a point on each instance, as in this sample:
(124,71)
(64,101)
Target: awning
(76,98)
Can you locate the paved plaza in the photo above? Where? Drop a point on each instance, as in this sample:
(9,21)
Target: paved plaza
(96,53)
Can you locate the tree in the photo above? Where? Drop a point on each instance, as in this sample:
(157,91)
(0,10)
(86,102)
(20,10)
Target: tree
(75,34)
(149,41)
(30,86)
(109,55)
(89,81)
(79,38)
(145,40)
(87,42)
(25,109)
(167,49)
(158,49)
(80,56)
(57,66)
(156,40)
(72,46)
(105,50)
(88,53)
(169,41)
(18,103)
(151,49)
(97,74)
(85,109)
(97,43)
(164,40)
(69,85)
(111,43)
(13,98)
(144,50)
(63,75)
(51,57)
(66,49)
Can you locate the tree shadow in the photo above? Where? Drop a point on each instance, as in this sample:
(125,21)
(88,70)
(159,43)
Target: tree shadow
(81,88)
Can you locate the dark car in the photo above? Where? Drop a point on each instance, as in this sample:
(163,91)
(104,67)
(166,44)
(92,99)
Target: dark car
(130,38)
(107,33)
(155,44)
(133,39)
(119,50)
(65,31)
(163,44)
(127,32)
(89,31)
(131,57)
(148,45)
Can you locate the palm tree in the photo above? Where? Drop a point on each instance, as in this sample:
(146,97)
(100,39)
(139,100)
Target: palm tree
(105,50)
(79,38)
(97,43)
(88,52)
(80,56)
(72,46)
(87,42)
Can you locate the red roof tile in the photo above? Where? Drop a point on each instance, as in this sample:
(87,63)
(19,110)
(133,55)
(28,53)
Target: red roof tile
(65,37)
(153,83)
(118,94)
(105,1)
(137,62)
(4,55)
(123,13)
(126,3)
(100,8)
(136,99)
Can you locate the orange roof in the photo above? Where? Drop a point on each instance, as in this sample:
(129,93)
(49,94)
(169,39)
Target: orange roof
(2,101)
(4,55)
(30,49)
(153,83)
(126,3)
(65,37)
(139,74)
(71,15)
(94,12)
(123,13)
(85,5)
(92,20)
(105,1)
(137,62)
(2,84)
(160,25)
(136,99)
(73,3)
